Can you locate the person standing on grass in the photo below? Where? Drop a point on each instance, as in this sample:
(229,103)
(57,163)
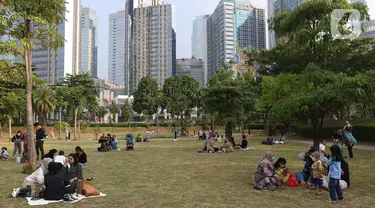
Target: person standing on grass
(349,140)
(335,172)
(40,136)
(52,133)
(318,174)
(17,140)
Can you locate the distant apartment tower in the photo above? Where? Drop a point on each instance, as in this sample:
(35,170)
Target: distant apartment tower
(275,7)
(154,42)
(130,5)
(234,25)
(116,48)
(54,65)
(89,42)
(199,42)
(193,67)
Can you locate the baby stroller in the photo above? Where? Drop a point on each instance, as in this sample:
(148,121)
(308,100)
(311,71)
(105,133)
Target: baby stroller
(129,142)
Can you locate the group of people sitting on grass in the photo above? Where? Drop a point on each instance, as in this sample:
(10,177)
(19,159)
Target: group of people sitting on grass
(271,141)
(139,138)
(333,175)
(227,146)
(108,143)
(57,178)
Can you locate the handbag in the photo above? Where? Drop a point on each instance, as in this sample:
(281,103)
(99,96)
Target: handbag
(89,190)
(292,181)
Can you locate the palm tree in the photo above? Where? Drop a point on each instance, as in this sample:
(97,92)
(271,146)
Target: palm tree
(113,108)
(102,111)
(44,101)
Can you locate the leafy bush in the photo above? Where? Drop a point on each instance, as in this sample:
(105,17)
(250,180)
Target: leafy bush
(363,129)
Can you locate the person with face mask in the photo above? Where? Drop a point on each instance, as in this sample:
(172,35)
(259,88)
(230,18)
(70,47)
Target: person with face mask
(265,177)
(281,170)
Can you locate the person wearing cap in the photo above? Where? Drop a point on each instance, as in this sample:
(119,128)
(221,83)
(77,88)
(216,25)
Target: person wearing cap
(40,136)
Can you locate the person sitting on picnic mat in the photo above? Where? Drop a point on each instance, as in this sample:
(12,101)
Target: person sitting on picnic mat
(75,174)
(57,185)
(36,180)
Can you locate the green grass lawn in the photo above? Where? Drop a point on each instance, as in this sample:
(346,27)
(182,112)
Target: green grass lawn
(172,174)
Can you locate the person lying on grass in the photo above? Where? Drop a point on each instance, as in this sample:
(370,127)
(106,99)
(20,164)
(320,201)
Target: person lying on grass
(281,170)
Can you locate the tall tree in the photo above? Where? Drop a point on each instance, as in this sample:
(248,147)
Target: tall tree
(26,23)
(146,97)
(315,64)
(127,112)
(181,94)
(227,95)
(44,101)
(81,93)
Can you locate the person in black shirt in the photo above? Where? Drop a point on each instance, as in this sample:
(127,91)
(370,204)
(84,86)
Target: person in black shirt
(82,157)
(244,142)
(40,135)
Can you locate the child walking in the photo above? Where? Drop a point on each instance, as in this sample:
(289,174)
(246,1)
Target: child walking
(318,172)
(335,174)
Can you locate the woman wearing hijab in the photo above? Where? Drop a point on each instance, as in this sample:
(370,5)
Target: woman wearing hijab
(349,140)
(36,180)
(265,176)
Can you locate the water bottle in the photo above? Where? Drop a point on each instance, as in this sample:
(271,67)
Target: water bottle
(18,159)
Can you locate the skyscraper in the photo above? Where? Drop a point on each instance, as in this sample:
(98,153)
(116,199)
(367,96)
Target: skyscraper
(89,42)
(234,25)
(54,65)
(116,48)
(275,7)
(129,49)
(199,42)
(193,67)
(154,42)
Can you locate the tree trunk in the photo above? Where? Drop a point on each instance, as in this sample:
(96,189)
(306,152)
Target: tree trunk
(29,104)
(79,130)
(228,133)
(315,123)
(10,127)
(45,120)
(60,124)
(75,122)
(1,129)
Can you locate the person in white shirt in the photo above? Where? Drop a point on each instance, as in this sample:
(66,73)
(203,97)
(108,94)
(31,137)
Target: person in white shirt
(61,158)
(322,150)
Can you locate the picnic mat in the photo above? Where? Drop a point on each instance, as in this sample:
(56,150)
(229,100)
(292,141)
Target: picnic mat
(45,202)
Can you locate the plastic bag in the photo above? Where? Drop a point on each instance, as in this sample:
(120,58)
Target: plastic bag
(292,181)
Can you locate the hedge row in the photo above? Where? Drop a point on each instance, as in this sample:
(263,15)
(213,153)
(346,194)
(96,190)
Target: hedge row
(123,125)
(361,133)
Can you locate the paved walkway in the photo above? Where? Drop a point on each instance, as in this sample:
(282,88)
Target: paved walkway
(361,146)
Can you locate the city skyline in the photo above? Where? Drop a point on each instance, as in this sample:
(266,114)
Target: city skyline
(186,11)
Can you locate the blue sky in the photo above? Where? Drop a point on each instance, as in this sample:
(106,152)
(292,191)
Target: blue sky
(186,11)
